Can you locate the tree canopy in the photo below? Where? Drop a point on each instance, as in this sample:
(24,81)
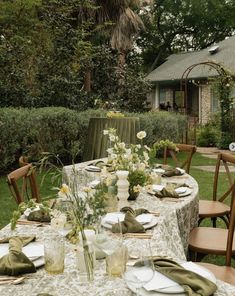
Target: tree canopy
(183,25)
(75,53)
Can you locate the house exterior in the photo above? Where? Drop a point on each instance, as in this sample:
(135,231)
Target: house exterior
(193,96)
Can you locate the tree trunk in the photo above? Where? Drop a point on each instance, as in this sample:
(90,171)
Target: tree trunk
(87,80)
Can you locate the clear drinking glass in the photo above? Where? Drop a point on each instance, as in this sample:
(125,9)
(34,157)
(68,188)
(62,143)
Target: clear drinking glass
(54,255)
(143,271)
(116,261)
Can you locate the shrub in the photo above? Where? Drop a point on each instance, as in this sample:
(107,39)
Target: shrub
(63,131)
(208,136)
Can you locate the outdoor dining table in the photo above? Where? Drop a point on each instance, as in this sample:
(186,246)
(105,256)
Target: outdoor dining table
(169,238)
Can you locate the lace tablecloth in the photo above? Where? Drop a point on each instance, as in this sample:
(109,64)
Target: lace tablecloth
(184,210)
(169,239)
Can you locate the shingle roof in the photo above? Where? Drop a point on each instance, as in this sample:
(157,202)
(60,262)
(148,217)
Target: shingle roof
(175,65)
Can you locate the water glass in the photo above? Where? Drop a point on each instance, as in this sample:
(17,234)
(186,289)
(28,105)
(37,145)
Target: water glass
(116,261)
(54,255)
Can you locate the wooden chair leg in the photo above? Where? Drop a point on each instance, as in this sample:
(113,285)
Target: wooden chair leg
(200,256)
(226,220)
(191,255)
(213,219)
(199,221)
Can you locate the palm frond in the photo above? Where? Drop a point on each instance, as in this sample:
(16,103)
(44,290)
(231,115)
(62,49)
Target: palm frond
(126,29)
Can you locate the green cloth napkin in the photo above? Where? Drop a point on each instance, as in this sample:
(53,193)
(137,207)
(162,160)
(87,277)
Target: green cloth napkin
(128,225)
(166,193)
(39,216)
(135,212)
(193,283)
(178,185)
(171,172)
(101,164)
(16,262)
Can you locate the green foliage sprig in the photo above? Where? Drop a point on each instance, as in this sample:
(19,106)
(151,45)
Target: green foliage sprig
(31,204)
(158,148)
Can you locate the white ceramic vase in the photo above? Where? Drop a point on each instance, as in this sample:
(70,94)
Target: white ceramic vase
(122,188)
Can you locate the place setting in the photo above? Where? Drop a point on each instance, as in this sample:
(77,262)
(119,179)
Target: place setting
(130,223)
(97,166)
(170,191)
(168,171)
(159,276)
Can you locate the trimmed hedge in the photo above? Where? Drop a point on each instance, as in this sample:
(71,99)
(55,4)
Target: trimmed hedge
(63,131)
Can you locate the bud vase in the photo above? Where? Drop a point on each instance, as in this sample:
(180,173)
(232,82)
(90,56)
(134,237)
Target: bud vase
(122,189)
(86,261)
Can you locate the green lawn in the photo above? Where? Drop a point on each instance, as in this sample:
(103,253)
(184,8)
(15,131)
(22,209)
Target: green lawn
(7,202)
(204,179)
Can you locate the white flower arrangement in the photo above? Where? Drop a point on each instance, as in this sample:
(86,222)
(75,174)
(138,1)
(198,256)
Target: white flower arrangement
(133,158)
(123,157)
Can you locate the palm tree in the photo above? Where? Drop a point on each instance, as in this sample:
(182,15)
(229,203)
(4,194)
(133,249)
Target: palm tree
(124,26)
(124,33)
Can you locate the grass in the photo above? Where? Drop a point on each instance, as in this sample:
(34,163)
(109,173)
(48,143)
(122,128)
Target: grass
(204,179)
(7,202)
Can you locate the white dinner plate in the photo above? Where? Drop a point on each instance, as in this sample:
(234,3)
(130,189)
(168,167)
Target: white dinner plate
(182,171)
(157,187)
(187,192)
(159,171)
(181,190)
(92,168)
(176,290)
(152,223)
(38,262)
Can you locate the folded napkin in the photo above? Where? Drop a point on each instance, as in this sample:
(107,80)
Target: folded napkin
(166,193)
(178,185)
(128,225)
(16,262)
(170,172)
(39,215)
(135,212)
(101,164)
(192,283)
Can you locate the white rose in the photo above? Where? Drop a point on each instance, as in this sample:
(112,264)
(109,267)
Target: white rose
(121,145)
(141,135)
(112,138)
(105,132)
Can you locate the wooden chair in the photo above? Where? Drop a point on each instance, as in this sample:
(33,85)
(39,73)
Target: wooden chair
(23,160)
(21,181)
(186,163)
(216,208)
(217,241)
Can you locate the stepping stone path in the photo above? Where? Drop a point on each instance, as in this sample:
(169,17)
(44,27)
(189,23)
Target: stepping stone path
(211,152)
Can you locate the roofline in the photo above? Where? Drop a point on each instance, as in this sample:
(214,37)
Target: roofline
(179,79)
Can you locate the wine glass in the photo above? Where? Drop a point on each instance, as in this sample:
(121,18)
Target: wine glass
(143,270)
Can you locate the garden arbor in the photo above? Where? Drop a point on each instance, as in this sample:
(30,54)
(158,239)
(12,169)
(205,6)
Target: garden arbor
(223,84)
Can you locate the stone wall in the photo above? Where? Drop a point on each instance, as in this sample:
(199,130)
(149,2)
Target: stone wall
(205,103)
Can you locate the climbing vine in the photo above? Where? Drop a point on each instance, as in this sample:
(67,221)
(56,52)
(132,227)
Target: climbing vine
(223,85)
